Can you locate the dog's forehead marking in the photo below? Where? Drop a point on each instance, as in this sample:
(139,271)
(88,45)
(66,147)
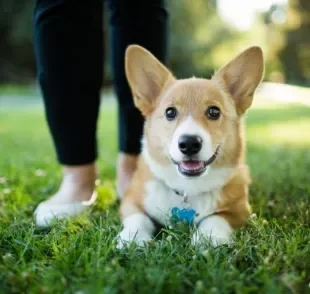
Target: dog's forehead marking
(189,126)
(194,95)
(192,90)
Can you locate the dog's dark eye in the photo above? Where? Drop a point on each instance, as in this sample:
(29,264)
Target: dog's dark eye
(213,112)
(171,113)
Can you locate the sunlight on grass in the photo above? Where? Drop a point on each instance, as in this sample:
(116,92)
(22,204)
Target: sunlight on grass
(283,93)
(272,122)
(262,102)
(293,133)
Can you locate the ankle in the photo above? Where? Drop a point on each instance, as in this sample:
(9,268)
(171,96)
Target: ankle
(78,183)
(126,166)
(81,175)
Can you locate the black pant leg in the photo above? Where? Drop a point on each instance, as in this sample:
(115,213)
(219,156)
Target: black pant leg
(142,22)
(68,46)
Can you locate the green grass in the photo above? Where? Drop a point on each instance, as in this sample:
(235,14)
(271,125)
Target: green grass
(270,255)
(12,89)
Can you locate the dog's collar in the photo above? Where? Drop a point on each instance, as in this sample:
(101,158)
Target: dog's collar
(179,193)
(183,194)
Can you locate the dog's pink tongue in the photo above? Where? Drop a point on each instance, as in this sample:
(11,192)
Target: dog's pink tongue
(192,165)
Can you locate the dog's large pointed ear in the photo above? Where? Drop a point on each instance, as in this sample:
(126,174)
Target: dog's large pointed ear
(241,76)
(147,77)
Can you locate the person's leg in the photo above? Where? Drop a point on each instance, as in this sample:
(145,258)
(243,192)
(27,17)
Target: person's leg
(68,45)
(133,22)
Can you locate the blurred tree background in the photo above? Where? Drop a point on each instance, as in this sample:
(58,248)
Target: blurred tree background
(201,40)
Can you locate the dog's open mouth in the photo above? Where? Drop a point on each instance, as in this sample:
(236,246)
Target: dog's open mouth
(191,167)
(194,168)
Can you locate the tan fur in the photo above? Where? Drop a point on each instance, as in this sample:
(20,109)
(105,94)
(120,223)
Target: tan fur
(231,89)
(148,80)
(241,76)
(132,203)
(234,206)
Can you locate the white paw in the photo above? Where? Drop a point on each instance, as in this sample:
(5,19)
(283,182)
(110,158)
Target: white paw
(127,236)
(214,230)
(202,239)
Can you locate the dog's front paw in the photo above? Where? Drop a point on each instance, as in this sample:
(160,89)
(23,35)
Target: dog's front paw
(128,236)
(214,230)
(202,239)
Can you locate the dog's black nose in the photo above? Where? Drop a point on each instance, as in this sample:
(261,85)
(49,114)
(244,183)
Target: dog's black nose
(190,145)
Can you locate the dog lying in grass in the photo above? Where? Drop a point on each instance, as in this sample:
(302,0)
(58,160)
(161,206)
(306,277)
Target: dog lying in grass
(192,168)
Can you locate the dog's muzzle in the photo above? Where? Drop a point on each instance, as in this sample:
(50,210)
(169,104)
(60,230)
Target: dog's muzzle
(193,167)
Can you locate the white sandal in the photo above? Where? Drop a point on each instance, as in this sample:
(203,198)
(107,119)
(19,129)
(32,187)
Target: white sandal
(45,213)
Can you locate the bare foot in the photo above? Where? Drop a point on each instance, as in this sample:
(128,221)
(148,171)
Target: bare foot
(73,196)
(126,167)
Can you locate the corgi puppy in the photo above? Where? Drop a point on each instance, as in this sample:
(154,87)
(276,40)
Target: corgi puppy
(192,166)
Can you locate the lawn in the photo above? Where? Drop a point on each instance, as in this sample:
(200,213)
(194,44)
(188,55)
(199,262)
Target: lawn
(270,255)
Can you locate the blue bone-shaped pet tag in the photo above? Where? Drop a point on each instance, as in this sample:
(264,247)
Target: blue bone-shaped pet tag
(186,215)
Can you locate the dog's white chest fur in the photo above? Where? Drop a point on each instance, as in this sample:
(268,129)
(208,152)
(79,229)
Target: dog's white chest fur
(160,199)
